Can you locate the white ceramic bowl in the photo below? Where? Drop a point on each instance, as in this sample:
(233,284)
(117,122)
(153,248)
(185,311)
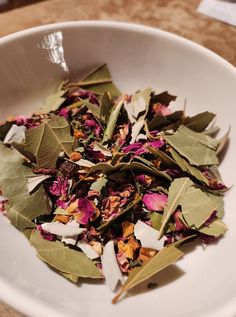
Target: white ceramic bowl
(32,62)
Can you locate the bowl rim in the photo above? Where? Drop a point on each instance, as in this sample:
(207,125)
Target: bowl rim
(19,299)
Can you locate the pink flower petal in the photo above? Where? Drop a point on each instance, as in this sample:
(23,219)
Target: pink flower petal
(85,210)
(155,202)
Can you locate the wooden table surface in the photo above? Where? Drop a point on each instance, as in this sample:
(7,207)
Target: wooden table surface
(177,16)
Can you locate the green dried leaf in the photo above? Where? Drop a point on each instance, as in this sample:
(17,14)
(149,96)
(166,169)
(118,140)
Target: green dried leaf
(160,261)
(156,220)
(164,98)
(54,101)
(60,211)
(223,141)
(159,121)
(63,258)
(48,140)
(162,156)
(199,122)
(99,81)
(21,148)
(197,206)
(99,184)
(22,207)
(95,109)
(107,168)
(186,167)
(219,202)
(112,121)
(105,108)
(197,148)
(19,220)
(215,229)
(177,188)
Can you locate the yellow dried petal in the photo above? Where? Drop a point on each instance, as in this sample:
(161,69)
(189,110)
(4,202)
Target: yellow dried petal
(72,207)
(62,218)
(127,228)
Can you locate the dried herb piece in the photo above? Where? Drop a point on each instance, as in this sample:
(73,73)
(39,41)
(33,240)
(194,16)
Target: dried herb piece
(48,140)
(160,261)
(56,255)
(197,148)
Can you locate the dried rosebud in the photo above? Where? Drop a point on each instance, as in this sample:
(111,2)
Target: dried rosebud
(78,134)
(75,156)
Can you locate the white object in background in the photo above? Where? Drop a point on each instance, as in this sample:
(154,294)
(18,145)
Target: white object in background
(3,2)
(221,10)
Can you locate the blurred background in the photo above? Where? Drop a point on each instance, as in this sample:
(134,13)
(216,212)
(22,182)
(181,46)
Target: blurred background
(6,5)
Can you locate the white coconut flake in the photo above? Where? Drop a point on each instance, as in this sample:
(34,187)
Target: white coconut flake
(60,229)
(136,129)
(141,136)
(72,239)
(148,236)
(84,163)
(88,250)
(2,198)
(100,148)
(15,134)
(110,266)
(34,181)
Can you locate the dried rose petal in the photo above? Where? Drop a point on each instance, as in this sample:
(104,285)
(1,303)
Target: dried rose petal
(155,202)
(64,112)
(144,180)
(179,225)
(85,210)
(59,187)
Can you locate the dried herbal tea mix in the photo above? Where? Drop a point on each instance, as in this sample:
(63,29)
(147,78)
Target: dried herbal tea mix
(108,185)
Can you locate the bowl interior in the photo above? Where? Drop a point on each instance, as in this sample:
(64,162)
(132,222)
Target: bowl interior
(32,63)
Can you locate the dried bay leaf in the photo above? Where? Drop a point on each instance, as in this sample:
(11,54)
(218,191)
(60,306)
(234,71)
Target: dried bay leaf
(215,229)
(162,156)
(99,81)
(107,168)
(177,188)
(223,141)
(159,121)
(112,121)
(48,140)
(105,108)
(164,98)
(160,261)
(99,184)
(197,148)
(18,219)
(197,206)
(22,207)
(63,258)
(199,122)
(186,167)
(54,101)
